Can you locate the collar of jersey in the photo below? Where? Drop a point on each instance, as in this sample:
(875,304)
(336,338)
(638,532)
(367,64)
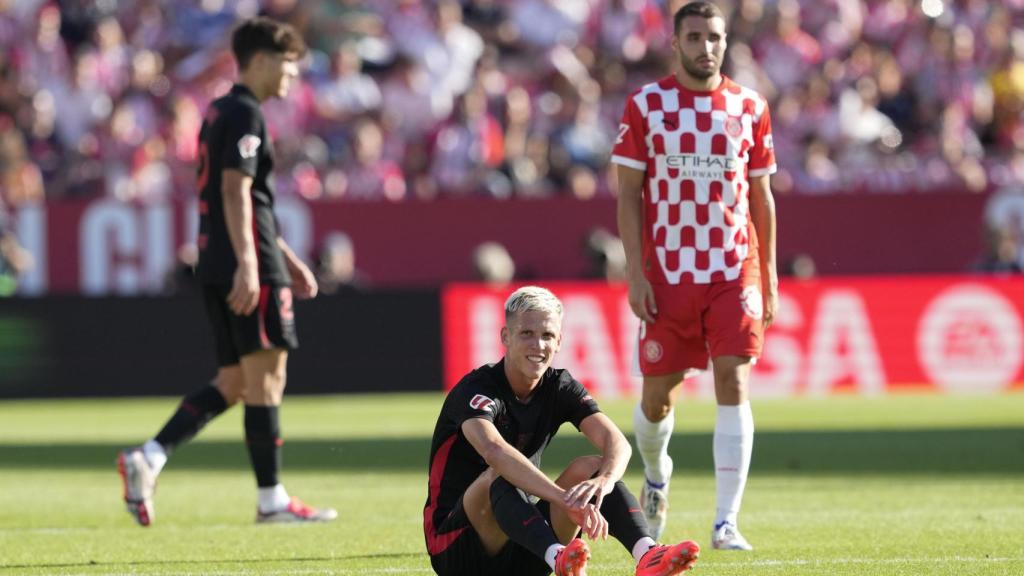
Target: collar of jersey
(673,80)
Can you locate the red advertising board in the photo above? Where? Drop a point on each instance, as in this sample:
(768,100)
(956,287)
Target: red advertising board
(849,335)
(104,246)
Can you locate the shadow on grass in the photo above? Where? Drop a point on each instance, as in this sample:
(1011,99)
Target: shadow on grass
(208,562)
(972,451)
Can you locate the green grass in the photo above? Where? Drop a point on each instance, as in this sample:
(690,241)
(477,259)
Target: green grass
(842,485)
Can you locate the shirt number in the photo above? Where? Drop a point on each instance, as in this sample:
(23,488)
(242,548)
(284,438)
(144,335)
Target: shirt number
(623,128)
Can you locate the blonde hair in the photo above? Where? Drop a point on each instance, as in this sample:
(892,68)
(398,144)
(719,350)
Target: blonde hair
(532,298)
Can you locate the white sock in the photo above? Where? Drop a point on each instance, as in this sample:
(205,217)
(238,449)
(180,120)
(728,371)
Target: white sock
(652,443)
(155,455)
(733,443)
(274,498)
(552,551)
(641,547)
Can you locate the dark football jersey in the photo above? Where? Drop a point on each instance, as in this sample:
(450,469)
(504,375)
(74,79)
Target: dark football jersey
(529,427)
(234,136)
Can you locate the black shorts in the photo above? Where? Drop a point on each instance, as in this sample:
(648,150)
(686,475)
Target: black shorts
(271,325)
(466,556)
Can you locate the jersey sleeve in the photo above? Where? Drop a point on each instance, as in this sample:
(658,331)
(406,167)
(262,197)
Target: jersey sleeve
(470,400)
(762,153)
(243,137)
(630,146)
(576,402)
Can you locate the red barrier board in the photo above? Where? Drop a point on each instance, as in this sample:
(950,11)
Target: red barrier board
(103,246)
(849,335)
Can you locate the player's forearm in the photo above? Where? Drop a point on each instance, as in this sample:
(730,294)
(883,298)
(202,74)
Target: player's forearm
(290,259)
(513,466)
(606,437)
(617,453)
(238,217)
(762,212)
(630,219)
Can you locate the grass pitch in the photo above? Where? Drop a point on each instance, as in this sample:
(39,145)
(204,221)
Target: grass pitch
(848,486)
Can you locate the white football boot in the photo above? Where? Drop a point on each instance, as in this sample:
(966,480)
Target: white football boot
(726,536)
(139,482)
(654,503)
(297,512)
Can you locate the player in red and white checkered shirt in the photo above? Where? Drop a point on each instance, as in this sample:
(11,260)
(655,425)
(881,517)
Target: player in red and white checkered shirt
(697,219)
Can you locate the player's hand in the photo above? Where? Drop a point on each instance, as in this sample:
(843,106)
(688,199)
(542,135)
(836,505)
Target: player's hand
(245,289)
(589,491)
(641,299)
(771,303)
(590,520)
(303,281)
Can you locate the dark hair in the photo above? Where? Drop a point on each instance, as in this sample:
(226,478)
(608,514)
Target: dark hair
(702,9)
(261,34)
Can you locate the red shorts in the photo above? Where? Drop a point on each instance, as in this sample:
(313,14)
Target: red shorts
(696,322)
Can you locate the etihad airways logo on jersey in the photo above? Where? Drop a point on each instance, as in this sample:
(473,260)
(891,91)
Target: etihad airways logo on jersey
(483,403)
(699,161)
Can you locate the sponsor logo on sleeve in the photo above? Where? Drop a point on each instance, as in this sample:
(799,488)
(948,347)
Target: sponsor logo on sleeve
(482,403)
(248,145)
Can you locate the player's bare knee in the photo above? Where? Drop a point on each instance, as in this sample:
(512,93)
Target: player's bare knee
(488,477)
(266,391)
(275,388)
(232,394)
(656,410)
(231,385)
(579,470)
(730,389)
(477,495)
(501,488)
(729,383)
(656,399)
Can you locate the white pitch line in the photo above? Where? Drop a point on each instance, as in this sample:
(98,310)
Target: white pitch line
(127,528)
(338,572)
(867,561)
(707,566)
(45,530)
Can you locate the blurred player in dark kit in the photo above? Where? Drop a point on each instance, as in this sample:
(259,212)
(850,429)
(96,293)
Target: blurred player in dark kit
(249,277)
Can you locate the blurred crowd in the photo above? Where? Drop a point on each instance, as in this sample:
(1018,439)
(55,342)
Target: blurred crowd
(418,99)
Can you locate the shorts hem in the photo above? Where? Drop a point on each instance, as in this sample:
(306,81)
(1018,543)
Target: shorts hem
(753,355)
(688,372)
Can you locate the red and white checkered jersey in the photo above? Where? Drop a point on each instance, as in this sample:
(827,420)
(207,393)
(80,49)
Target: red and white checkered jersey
(698,150)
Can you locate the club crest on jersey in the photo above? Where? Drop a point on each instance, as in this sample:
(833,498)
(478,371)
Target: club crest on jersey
(733,127)
(247,145)
(481,402)
(653,351)
(751,301)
